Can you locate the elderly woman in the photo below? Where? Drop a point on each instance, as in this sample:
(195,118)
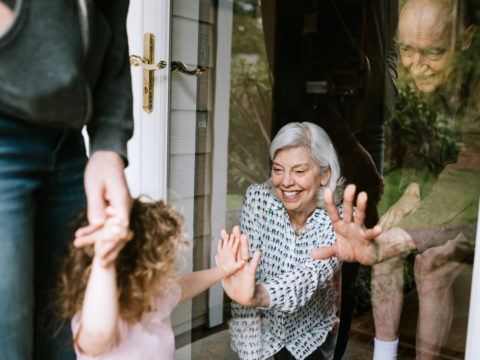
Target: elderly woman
(286,304)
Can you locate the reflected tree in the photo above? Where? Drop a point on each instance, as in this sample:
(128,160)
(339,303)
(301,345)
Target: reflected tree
(250,101)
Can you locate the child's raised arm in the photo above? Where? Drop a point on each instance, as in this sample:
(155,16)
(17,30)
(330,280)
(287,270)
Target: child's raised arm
(99,317)
(228,261)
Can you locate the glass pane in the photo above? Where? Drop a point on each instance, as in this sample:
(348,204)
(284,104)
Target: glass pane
(432,179)
(399,101)
(190,153)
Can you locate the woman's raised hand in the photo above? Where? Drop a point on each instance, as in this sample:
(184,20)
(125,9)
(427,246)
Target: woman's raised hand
(354,241)
(241,286)
(228,257)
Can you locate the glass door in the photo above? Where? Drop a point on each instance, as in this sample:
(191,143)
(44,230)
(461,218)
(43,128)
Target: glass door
(238,70)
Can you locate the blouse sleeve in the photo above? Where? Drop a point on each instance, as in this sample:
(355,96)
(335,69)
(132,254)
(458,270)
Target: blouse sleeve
(249,220)
(291,291)
(245,326)
(245,332)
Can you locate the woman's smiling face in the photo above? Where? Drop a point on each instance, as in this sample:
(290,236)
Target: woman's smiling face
(296,179)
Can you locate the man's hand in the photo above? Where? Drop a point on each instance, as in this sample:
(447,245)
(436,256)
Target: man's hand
(105,185)
(354,241)
(407,204)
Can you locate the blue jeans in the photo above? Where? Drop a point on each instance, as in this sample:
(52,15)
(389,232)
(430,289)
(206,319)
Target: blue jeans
(41,190)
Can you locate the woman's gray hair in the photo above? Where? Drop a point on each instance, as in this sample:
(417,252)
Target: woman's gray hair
(314,138)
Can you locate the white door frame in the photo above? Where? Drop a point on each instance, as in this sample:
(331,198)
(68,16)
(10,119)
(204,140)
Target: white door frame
(472,351)
(148,170)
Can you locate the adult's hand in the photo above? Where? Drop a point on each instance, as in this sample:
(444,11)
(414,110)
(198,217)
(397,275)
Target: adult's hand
(407,204)
(354,241)
(241,286)
(105,185)
(6,18)
(110,239)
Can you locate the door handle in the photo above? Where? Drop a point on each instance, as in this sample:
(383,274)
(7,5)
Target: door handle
(181,67)
(136,60)
(148,64)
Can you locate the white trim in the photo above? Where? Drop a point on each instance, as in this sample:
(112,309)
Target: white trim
(158,21)
(472,351)
(148,149)
(220,149)
(135,40)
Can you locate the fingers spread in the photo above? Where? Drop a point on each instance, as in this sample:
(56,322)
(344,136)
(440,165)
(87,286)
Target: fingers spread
(362,201)
(236,230)
(348,197)
(361,207)
(231,240)
(330,206)
(224,235)
(235,244)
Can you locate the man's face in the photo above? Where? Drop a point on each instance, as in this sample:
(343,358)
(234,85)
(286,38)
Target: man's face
(425,38)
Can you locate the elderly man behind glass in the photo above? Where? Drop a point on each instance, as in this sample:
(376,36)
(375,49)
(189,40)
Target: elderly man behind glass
(442,225)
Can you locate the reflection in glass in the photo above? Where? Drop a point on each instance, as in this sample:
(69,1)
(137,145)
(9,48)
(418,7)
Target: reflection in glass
(285,68)
(432,179)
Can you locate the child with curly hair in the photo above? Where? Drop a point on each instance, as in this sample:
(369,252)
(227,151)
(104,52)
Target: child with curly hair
(120,304)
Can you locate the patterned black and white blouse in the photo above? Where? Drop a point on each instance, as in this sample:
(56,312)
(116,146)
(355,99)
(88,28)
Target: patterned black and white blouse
(304,293)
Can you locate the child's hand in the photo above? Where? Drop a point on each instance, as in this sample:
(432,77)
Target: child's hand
(228,257)
(241,286)
(111,238)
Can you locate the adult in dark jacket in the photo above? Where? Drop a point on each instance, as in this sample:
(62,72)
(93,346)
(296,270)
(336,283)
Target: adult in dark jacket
(63,65)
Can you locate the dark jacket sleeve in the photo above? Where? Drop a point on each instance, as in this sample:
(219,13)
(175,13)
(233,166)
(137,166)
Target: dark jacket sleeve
(111,124)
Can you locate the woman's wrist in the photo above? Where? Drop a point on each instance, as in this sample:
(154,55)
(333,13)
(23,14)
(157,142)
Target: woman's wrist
(261,298)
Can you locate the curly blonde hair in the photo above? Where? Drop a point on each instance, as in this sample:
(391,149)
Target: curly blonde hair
(146,261)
